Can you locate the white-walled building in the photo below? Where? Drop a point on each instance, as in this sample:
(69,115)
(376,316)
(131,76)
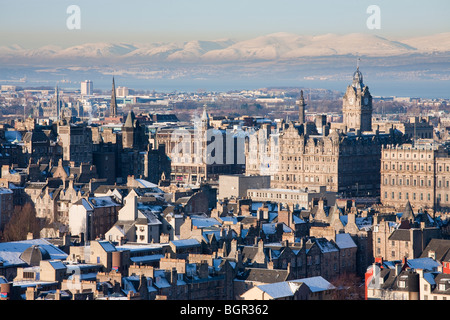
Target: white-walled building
(136,222)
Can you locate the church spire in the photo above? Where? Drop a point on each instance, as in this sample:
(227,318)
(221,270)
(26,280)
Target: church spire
(113,106)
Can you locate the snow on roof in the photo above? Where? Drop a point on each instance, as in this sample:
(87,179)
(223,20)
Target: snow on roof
(5,191)
(10,251)
(150,207)
(56,264)
(429,277)
(159,280)
(279,289)
(270,228)
(146,184)
(203,222)
(185,242)
(148,258)
(427,264)
(105,201)
(325,245)
(86,204)
(233,219)
(107,246)
(345,241)
(316,284)
(298,220)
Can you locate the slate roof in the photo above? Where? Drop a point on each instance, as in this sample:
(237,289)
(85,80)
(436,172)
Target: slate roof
(264,275)
(10,251)
(345,241)
(288,288)
(316,284)
(400,235)
(440,247)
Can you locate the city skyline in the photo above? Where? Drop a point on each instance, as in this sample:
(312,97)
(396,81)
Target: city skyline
(158,45)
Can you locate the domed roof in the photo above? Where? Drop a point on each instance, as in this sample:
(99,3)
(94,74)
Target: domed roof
(34,254)
(358,79)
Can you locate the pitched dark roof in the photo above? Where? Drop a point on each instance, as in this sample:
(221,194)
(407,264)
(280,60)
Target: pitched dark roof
(441,248)
(400,235)
(264,275)
(129,123)
(408,212)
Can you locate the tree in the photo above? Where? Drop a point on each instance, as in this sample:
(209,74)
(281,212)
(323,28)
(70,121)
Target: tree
(348,287)
(23,221)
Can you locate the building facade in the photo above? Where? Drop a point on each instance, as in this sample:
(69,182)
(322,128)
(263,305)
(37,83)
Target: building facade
(418,173)
(311,155)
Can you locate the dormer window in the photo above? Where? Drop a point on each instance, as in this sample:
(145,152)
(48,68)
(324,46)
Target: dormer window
(432,254)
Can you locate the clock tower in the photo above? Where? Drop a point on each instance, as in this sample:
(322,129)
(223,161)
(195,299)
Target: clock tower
(357,105)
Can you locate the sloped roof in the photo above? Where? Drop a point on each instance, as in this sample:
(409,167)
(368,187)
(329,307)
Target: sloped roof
(316,284)
(345,241)
(441,248)
(400,235)
(129,122)
(279,289)
(10,252)
(408,212)
(264,275)
(185,243)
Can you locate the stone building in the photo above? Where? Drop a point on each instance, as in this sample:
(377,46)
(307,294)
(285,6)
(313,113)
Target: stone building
(418,173)
(236,186)
(201,153)
(302,156)
(92,217)
(357,105)
(405,237)
(76,141)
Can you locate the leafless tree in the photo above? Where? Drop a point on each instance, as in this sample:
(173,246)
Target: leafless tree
(23,221)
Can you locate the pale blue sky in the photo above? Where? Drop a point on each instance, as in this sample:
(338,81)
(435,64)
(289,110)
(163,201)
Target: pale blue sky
(33,23)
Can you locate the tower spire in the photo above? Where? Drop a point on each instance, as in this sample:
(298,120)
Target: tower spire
(57,102)
(301,108)
(113,106)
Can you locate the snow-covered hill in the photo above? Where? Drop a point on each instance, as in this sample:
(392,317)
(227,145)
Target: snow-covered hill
(277,46)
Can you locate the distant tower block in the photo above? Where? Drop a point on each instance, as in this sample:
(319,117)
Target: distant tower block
(113,105)
(357,105)
(87,88)
(301,109)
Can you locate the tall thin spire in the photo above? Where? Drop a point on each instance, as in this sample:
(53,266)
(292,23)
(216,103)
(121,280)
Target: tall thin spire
(57,103)
(113,106)
(301,108)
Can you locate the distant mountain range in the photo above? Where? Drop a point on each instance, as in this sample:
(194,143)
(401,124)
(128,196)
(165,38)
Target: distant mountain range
(270,60)
(277,46)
